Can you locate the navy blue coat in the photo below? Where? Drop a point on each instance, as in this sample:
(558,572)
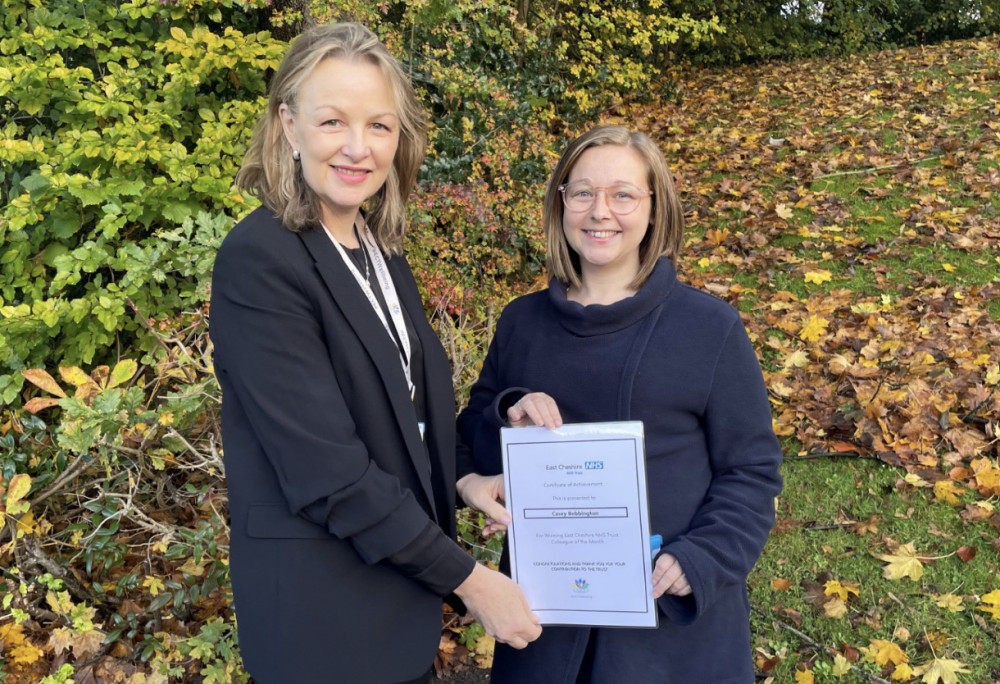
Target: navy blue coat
(329,483)
(680,361)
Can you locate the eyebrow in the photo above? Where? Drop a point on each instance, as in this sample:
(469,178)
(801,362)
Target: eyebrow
(617,181)
(338,110)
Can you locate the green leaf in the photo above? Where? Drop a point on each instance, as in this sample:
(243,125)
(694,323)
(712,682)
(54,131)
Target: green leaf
(35,184)
(88,195)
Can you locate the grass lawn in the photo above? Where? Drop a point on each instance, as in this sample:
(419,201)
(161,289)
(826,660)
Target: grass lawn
(851,210)
(835,516)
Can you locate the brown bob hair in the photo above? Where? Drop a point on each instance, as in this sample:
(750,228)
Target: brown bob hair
(666,225)
(270,173)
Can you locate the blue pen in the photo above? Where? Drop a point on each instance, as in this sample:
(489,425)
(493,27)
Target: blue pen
(655,542)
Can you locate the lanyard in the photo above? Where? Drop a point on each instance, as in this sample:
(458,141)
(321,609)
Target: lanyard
(388,291)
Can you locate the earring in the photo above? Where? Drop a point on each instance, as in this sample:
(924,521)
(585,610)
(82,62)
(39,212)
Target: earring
(295,155)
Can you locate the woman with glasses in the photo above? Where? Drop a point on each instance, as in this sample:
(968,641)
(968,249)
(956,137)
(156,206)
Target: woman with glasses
(617,337)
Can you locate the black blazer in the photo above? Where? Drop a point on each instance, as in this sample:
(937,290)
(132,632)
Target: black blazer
(326,471)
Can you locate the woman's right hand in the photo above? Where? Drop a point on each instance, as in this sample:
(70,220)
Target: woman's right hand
(499,605)
(485,493)
(535,408)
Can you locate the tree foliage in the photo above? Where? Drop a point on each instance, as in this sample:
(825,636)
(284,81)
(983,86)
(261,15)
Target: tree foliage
(123,123)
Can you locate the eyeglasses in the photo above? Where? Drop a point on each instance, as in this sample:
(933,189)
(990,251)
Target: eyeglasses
(623,198)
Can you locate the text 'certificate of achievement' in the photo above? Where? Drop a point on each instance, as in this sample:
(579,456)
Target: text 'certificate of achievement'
(579,539)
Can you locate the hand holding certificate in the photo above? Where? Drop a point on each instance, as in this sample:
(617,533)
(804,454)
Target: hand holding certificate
(579,540)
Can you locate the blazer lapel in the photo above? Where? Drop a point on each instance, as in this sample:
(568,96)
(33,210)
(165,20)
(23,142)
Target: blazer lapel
(352,302)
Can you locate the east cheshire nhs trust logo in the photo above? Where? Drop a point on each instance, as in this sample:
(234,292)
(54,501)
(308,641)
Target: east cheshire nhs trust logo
(580,586)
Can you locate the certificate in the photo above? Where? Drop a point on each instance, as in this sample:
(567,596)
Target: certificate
(579,536)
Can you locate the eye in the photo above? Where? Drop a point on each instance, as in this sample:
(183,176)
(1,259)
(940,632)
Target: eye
(625,192)
(583,192)
(379,126)
(332,122)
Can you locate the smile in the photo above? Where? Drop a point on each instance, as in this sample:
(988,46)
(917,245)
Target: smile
(348,174)
(601,233)
(349,171)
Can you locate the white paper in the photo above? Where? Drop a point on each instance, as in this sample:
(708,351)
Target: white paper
(579,538)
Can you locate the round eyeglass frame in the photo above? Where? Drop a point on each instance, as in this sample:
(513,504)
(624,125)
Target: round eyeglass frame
(606,188)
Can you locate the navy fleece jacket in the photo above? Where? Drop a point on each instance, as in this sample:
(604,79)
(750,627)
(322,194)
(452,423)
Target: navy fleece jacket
(679,360)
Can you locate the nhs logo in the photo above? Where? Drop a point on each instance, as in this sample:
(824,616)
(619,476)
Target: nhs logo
(593,465)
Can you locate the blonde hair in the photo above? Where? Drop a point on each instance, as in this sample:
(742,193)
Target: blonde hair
(666,225)
(270,173)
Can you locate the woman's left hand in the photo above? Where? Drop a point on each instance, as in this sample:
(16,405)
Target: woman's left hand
(486,494)
(669,578)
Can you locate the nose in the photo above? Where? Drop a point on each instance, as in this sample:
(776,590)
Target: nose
(356,147)
(601,207)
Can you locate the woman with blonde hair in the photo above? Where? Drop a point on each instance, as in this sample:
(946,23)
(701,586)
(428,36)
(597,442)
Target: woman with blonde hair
(338,408)
(617,337)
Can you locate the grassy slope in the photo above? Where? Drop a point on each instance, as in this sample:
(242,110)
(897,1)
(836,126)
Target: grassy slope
(849,209)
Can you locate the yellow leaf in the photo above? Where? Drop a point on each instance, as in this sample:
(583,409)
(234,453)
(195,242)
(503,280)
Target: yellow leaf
(951,602)
(153,584)
(986,475)
(902,673)
(903,563)
(944,670)
(12,634)
(484,651)
(25,524)
(783,210)
(992,601)
(16,646)
(814,329)
(18,488)
(835,608)
(948,267)
(60,602)
(985,505)
(841,665)
(804,677)
(915,480)
(882,652)
(819,277)
(866,308)
(841,590)
(704,263)
(75,376)
(40,378)
(123,372)
(797,359)
(25,654)
(947,490)
(191,568)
